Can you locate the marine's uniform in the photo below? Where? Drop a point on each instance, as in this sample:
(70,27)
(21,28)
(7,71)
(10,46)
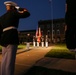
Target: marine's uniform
(9,39)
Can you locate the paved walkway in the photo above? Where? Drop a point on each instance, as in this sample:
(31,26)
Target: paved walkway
(25,59)
(35,57)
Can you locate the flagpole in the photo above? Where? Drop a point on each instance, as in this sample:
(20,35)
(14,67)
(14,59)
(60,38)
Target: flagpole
(52,17)
(51,1)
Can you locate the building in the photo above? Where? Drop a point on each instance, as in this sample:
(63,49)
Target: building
(54,29)
(23,35)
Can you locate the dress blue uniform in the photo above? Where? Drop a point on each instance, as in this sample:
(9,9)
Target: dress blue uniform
(9,39)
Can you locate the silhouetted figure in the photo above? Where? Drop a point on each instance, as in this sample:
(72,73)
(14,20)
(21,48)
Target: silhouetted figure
(70,20)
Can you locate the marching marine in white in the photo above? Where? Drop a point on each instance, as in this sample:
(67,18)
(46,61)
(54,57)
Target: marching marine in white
(46,41)
(38,36)
(34,41)
(42,41)
(28,42)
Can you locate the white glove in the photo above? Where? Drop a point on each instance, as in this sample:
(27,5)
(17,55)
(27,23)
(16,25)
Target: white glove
(17,7)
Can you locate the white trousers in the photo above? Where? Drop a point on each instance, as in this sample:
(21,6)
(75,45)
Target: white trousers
(37,44)
(34,44)
(42,44)
(28,45)
(46,44)
(8,60)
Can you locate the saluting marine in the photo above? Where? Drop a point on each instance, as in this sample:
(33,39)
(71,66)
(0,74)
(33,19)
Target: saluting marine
(9,39)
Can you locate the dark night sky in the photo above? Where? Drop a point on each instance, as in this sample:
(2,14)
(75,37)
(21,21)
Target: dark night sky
(39,10)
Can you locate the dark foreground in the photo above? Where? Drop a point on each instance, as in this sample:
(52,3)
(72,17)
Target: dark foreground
(36,70)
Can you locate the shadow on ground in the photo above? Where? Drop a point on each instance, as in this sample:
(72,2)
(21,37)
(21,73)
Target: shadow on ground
(36,70)
(23,51)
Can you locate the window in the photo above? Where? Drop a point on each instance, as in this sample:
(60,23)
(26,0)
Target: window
(48,26)
(42,26)
(58,31)
(58,25)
